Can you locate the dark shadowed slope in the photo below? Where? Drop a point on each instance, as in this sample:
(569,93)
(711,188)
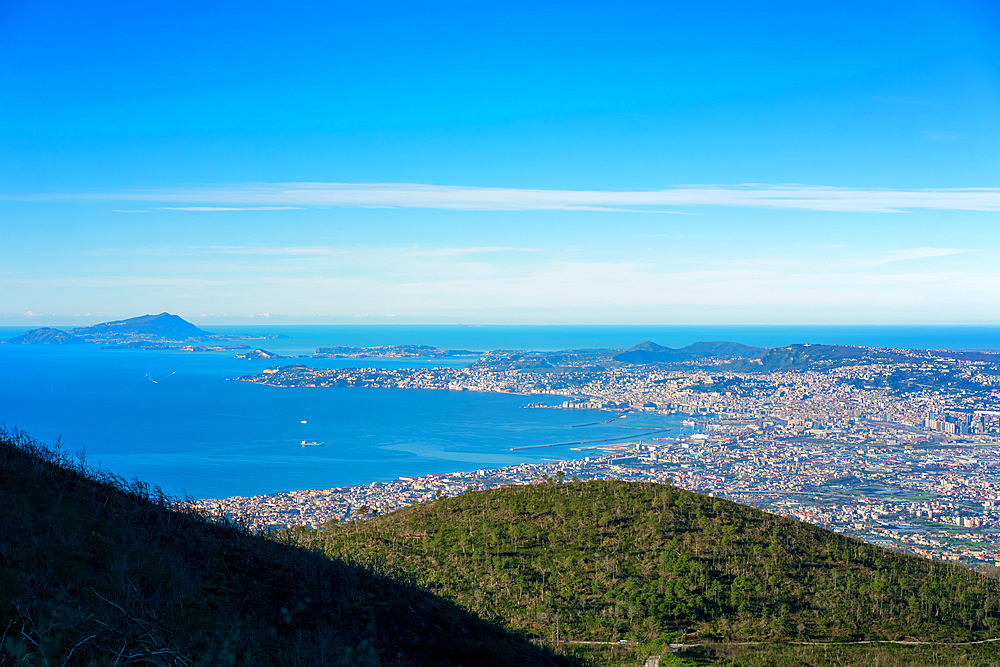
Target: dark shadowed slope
(93,569)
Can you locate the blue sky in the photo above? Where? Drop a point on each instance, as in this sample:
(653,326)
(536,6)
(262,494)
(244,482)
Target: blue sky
(650,163)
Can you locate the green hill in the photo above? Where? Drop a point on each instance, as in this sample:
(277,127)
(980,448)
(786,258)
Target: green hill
(609,561)
(96,571)
(810,356)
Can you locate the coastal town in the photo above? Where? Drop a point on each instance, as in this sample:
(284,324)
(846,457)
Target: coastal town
(895,447)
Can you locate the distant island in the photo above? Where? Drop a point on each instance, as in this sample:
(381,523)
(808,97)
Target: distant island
(408,351)
(147,332)
(259,354)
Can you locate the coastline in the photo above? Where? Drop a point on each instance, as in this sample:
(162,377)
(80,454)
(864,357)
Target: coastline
(867,515)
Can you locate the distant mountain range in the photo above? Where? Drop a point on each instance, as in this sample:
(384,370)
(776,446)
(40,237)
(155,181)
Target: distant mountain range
(651,353)
(740,358)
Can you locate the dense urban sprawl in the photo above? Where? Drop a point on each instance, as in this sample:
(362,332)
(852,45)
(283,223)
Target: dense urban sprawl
(902,451)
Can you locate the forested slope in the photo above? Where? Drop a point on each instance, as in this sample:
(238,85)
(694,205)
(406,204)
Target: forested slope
(605,561)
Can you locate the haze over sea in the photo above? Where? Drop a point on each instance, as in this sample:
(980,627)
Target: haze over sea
(172,419)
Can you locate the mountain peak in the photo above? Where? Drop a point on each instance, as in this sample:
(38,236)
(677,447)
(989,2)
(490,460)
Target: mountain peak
(164,326)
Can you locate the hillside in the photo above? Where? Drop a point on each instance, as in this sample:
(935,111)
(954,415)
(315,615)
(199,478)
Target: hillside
(805,356)
(94,570)
(99,571)
(45,336)
(606,561)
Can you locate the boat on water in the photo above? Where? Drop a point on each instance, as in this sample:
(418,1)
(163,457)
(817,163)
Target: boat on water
(312,443)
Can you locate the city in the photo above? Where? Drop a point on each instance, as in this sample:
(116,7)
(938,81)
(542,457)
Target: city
(897,449)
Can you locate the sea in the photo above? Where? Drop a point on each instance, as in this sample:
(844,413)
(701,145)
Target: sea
(176,420)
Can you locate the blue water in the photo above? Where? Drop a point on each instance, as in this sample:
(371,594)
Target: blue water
(172,419)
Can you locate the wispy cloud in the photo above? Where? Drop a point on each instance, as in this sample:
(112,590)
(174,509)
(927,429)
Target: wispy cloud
(227,208)
(285,196)
(459,252)
(115,281)
(915,253)
(545,286)
(190,251)
(311,251)
(294,251)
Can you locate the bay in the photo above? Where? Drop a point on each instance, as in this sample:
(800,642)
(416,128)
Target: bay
(173,419)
